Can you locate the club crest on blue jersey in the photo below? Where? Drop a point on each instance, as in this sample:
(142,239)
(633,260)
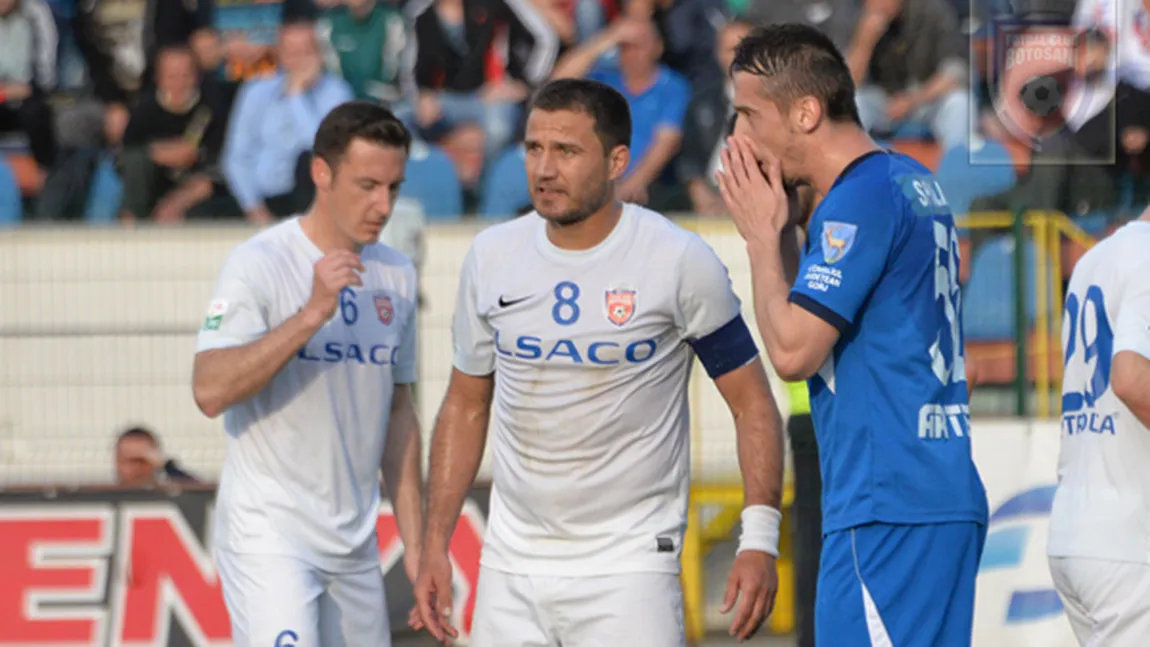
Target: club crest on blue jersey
(838,238)
(620,306)
(384,309)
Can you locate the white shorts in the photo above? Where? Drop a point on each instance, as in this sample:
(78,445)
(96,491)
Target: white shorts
(279,601)
(631,609)
(1108,602)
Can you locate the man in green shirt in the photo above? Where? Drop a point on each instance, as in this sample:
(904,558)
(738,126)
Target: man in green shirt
(364,41)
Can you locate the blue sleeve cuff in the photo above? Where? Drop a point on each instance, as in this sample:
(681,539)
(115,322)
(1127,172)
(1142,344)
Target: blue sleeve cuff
(728,348)
(820,311)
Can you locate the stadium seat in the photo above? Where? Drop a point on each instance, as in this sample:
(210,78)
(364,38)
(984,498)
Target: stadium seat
(505,190)
(969,173)
(432,181)
(11,202)
(26,171)
(912,130)
(104,194)
(988,300)
(926,152)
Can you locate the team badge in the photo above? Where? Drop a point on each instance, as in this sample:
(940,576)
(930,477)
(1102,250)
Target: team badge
(838,238)
(215,315)
(620,306)
(384,309)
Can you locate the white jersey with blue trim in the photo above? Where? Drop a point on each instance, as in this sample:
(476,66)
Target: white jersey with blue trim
(1102,503)
(301,474)
(589,426)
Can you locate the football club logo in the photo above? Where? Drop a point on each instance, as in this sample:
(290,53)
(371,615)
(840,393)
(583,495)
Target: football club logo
(384,308)
(1035,71)
(837,240)
(620,306)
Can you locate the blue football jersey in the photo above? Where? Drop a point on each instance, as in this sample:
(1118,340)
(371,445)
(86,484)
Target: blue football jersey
(890,407)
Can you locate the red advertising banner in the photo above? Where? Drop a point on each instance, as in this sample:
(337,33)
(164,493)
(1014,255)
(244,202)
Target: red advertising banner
(112,569)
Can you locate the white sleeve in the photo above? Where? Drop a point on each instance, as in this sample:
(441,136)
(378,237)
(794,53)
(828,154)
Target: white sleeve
(1132,329)
(473,337)
(238,312)
(707,301)
(406,368)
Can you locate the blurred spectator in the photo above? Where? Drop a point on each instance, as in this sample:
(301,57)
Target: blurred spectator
(707,124)
(173,135)
(236,38)
(364,41)
(119,39)
(475,62)
(835,18)
(689,29)
(908,59)
(658,99)
(141,463)
(27,71)
(266,158)
(561,15)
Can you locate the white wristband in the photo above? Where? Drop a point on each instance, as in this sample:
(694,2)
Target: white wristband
(760,530)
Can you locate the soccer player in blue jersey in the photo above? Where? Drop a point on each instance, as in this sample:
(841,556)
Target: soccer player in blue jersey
(874,322)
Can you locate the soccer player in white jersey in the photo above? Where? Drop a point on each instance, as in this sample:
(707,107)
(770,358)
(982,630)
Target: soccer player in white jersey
(574,330)
(1099,538)
(309,351)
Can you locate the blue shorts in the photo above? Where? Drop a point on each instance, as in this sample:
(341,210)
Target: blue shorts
(887,585)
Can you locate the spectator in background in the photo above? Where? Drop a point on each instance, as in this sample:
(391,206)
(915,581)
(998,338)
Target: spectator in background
(27,70)
(908,59)
(475,62)
(709,117)
(689,30)
(837,19)
(141,463)
(236,38)
(364,42)
(658,98)
(266,158)
(172,136)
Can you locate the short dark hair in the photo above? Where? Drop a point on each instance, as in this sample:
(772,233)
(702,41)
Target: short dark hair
(606,106)
(142,433)
(353,120)
(798,60)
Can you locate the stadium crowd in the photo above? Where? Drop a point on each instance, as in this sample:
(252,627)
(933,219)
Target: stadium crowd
(165,110)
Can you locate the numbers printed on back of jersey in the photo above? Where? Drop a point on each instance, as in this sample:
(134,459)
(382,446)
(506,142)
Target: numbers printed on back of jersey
(947,358)
(946,353)
(1088,343)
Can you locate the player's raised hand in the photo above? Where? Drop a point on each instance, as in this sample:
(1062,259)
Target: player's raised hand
(757,202)
(433,597)
(333,273)
(753,583)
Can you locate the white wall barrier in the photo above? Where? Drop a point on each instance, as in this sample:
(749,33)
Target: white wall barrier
(1017,605)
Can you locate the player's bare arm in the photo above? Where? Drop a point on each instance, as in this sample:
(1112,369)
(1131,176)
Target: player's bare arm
(456,450)
(1130,379)
(222,377)
(798,342)
(403,475)
(753,581)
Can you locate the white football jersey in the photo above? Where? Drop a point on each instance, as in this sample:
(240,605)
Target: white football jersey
(590,423)
(301,476)
(1102,504)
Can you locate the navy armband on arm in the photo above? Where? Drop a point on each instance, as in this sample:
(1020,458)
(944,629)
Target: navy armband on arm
(728,348)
